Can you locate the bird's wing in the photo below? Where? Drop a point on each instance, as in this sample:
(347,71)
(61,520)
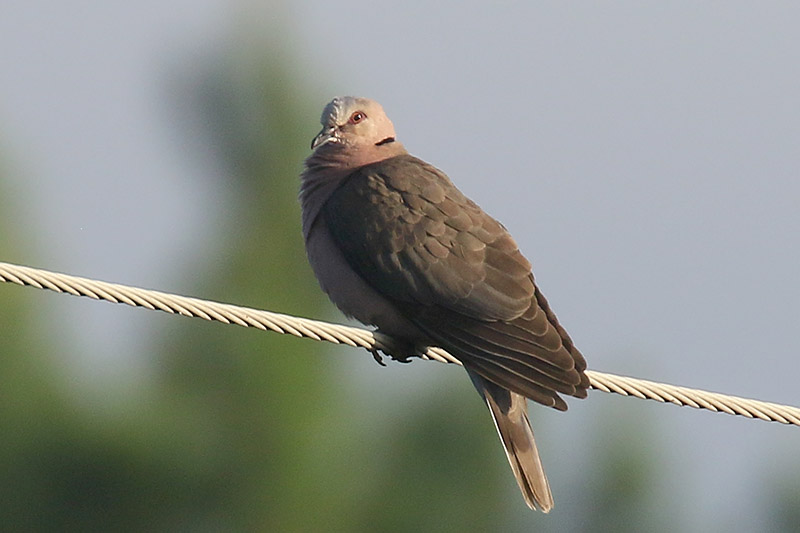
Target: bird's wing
(456,273)
(406,229)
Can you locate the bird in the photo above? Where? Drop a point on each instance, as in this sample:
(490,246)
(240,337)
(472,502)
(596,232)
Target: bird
(395,245)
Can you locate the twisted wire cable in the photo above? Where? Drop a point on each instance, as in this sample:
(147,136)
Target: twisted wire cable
(370,341)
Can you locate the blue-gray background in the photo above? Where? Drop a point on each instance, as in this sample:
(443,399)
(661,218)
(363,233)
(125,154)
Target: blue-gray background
(645,155)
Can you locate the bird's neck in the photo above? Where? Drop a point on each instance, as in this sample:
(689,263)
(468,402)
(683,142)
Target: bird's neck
(326,169)
(348,157)
(317,183)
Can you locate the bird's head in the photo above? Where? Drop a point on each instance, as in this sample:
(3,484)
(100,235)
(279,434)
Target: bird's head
(355,124)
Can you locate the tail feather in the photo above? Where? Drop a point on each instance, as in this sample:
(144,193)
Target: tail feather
(510,413)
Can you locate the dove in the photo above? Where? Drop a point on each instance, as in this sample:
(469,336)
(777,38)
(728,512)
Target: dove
(395,245)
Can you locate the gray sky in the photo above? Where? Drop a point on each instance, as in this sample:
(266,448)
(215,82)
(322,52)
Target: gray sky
(644,155)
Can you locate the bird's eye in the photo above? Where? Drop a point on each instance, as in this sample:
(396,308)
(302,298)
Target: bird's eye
(357,117)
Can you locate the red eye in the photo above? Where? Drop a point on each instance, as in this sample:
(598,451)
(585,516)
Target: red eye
(357,117)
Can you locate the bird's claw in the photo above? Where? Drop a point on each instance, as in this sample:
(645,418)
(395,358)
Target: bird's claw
(401,358)
(377,356)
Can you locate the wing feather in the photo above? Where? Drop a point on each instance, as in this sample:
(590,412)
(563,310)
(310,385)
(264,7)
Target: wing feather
(456,273)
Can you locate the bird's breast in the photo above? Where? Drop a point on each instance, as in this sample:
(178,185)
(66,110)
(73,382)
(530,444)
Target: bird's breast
(348,291)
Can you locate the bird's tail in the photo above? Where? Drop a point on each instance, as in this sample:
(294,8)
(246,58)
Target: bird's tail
(510,413)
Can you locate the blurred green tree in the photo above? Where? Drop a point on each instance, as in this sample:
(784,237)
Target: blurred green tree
(239,430)
(277,444)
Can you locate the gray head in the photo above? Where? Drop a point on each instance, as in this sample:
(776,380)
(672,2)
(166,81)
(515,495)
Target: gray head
(354,123)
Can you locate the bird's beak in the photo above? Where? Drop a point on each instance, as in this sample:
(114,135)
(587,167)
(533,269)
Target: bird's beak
(328,134)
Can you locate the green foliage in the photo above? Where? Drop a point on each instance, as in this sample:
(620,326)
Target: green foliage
(239,430)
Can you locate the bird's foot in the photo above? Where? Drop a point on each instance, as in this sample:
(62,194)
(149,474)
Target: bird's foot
(376,354)
(395,349)
(402,351)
